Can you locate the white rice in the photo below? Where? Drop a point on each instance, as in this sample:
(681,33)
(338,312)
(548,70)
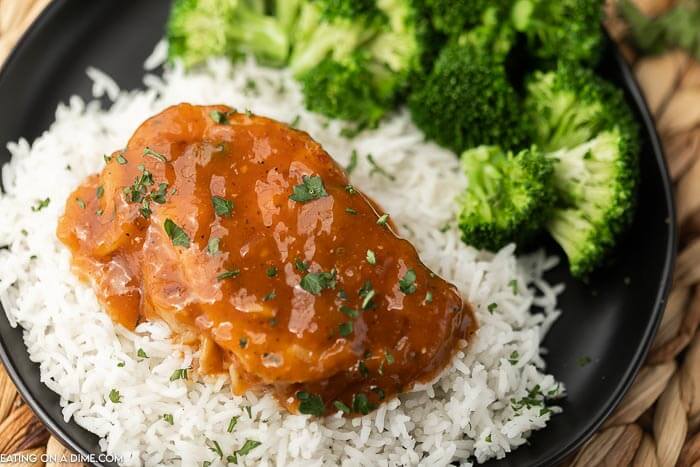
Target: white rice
(464,416)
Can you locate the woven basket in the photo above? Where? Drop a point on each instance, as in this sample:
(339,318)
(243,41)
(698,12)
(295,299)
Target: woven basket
(658,422)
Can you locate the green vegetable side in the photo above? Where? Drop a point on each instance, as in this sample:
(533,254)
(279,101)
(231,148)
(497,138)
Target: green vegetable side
(546,144)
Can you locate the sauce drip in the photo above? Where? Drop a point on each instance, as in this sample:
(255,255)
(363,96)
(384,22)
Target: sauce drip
(244,236)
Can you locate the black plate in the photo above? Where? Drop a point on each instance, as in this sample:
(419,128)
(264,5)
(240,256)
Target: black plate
(611,320)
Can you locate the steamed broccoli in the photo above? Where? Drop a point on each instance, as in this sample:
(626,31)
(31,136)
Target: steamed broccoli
(453,17)
(596,185)
(468,101)
(199,29)
(355,59)
(571,105)
(508,198)
(561,29)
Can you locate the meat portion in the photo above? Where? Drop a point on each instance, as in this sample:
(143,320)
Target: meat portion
(245,237)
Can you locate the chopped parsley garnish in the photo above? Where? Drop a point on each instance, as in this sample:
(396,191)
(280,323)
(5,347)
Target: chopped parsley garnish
(428,298)
(206,464)
(180,373)
(341,406)
(310,189)
(80,203)
(294,123)
(389,357)
(121,159)
(367,293)
(99,192)
(228,274)
(114,396)
(213,245)
(222,206)
(141,353)
(383,219)
(310,404)
(350,189)
(158,196)
(155,155)
(216,448)
(379,392)
(583,361)
(301,265)
(219,117)
(41,204)
(121,365)
(177,235)
(107,158)
(371,257)
(249,411)
(513,284)
(271,271)
(514,356)
(232,424)
(248,446)
(345,329)
(351,211)
(488,438)
(360,404)
(362,368)
(243,342)
(353,162)
(248,113)
(168,417)
(376,168)
(270,296)
(349,312)
(407,284)
(492,307)
(316,282)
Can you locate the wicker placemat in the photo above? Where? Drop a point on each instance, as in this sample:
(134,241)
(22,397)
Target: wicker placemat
(658,422)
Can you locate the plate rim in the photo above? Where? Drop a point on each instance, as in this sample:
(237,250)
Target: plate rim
(613,400)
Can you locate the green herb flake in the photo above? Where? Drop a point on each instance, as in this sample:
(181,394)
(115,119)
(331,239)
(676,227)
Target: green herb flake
(168,417)
(310,404)
(371,257)
(206,464)
(121,160)
(583,361)
(349,312)
(492,307)
(353,162)
(107,158)
(213,245)
(345,329)
(360,404)
(514,356)
(513,284)
(316,282)
(228,274)
(310,189)
(80,203)
(271,271)
(350,189)
(180,373)
(215,448)
(114,396)
(294,123)
(389,357)
(488,438)
(121,365)
(270,296)
(428,298)
(367,293)
(41,204)
(222,206)
(219,117)
(249,410)
(248,446)
(99,192)
(341,407)
(158,196)
(141,353)
(379,392)
(376,168)
(407,284)
(243,342)
(99,212)
(177,235)
(232,424)
(383,219)
(301,265)
(153,154)
(351,211)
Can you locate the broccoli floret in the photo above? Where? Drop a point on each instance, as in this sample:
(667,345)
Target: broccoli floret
(199,29)
(344,91)
(453,17)
(571,105)
(354,64)
(467,101)
(508,198)
(596,185)
(561,29)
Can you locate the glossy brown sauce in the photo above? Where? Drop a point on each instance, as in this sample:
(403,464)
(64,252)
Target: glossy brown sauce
(235,282)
